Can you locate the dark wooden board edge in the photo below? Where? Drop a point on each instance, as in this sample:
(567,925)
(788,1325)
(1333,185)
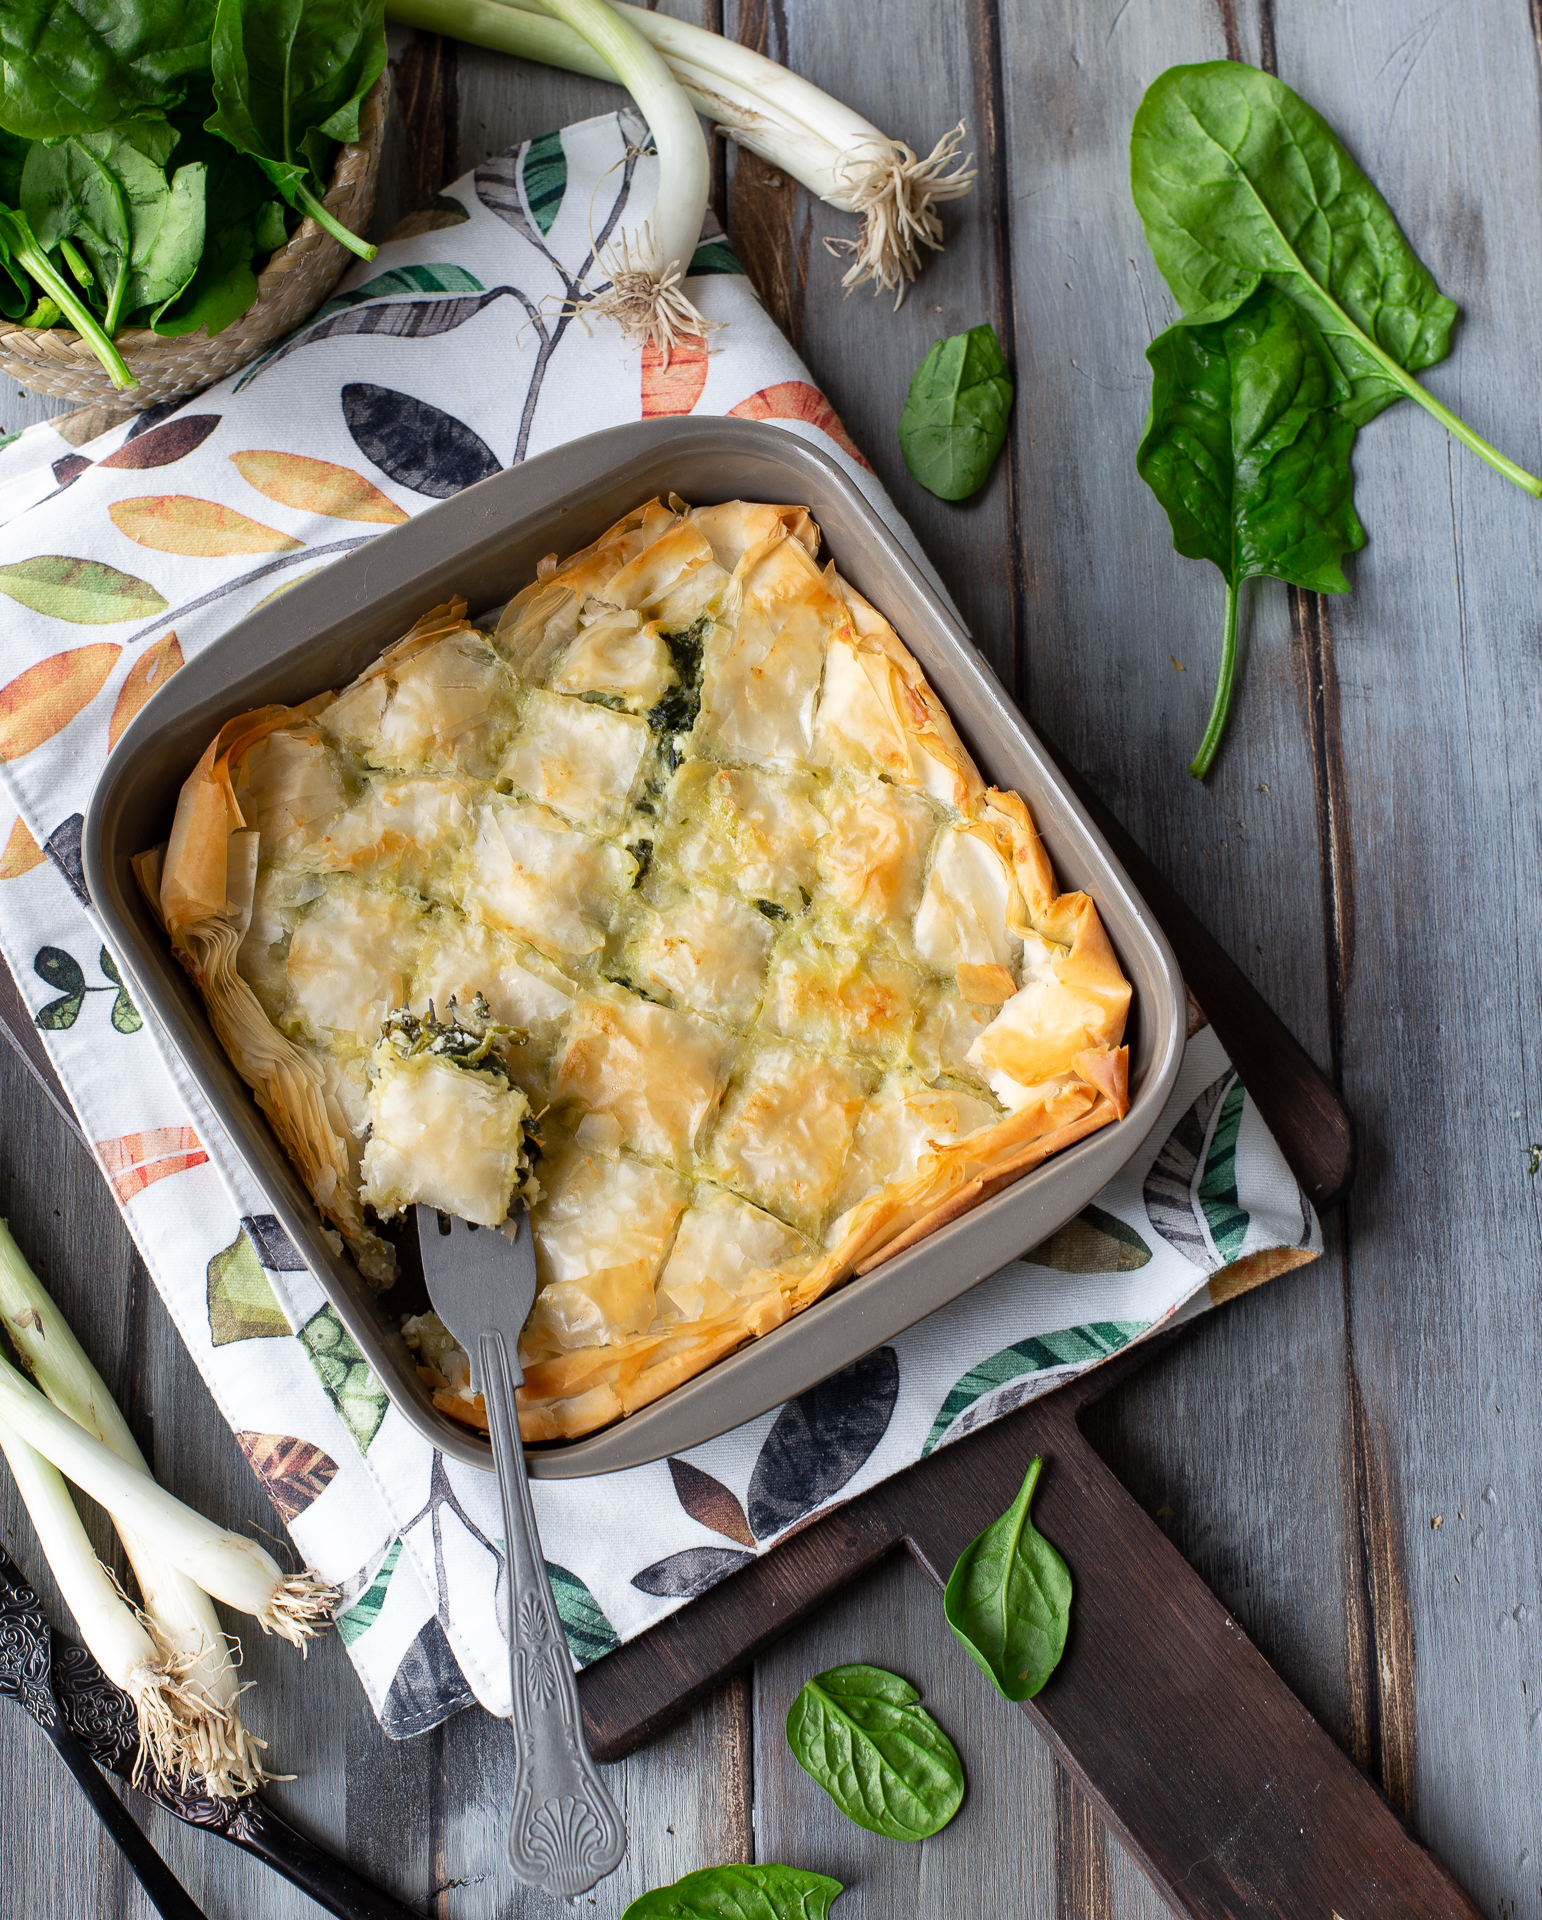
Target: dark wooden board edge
(1193,1750)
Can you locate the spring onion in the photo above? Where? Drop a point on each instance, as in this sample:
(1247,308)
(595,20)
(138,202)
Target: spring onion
(836,154)
(180,1615)
(227,1565)
(119,1640)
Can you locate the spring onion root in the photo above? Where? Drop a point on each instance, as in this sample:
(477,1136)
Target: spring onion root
(223,1753)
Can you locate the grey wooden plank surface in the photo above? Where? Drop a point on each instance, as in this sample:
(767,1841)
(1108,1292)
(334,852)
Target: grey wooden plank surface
(1298,1443)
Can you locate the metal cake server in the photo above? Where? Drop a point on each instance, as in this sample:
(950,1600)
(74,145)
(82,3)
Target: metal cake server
(26,1674)
(565,1833)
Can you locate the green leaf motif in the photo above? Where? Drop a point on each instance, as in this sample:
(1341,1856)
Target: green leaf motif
(358,1396)
(365,1611)
(766,1892)
(955,416)
(61,971)
(241,1301)
(1009,1600)
(715,256)
(88,593)
(1217,1189)
(1094,1242)
(125,1015)
(434,276)
(589,1633)
(545,177)
(860,1732)
(1072,1346)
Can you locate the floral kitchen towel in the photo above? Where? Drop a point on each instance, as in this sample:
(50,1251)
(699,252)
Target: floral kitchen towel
(453,354)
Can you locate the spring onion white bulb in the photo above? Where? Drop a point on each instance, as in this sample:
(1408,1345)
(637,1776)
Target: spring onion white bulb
(219,1749)
(832,151)
(119,1640)
(232,1568)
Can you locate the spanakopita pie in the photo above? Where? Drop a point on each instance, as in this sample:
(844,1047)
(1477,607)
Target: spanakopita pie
(666,903)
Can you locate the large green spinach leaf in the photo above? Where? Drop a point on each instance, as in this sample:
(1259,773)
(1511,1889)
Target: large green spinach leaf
(1239,181)
(882,1758)
(767,1892)
(955,416)
(1009,1599)
(289,76)
(1247,446)
(79,67)
(243,220)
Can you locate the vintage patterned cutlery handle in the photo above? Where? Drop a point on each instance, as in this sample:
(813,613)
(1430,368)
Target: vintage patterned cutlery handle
(566,1833)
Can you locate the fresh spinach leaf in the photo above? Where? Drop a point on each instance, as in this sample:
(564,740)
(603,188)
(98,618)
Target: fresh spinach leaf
(1238,181)
(955,417)
(1009,1600)
(13,157)
(289,76)
(768,1892)
(79,67)
(236,200)
(1247,446)
(20,254)
(882,1758)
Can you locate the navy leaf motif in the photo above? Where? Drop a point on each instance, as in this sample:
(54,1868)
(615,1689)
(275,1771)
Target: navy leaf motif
(61,971)
(414,444)
(710,1502)
(63,847)
(429,1686)
(274,1247)
(153,416)
(684,1575)
(400,320)
(820,1440)
(497,185)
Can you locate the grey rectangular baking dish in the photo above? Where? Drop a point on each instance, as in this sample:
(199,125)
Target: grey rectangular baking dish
(484,544)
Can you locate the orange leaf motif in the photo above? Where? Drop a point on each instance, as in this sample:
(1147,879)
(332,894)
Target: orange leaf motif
(148,675)
(37,704)
(317,486)
(797,400)
(674,387)
(135,1161)
(22,853)
(294,1472)
(202,529)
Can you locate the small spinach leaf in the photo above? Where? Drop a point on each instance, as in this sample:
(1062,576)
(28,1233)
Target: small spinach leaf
(768,1892)
(882,1759)
(1247,447)
(1238,180)
(1009,1600)
(955,417)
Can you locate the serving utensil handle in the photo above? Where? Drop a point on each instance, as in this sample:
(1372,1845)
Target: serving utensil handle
(565,1833)
(163,1890)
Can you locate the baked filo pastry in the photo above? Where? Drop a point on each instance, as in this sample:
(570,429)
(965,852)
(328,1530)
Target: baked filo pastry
(669,904)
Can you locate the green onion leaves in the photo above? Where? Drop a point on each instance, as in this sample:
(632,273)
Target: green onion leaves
(767,1892)
(1009,1600)
(882,1759)
(955,418)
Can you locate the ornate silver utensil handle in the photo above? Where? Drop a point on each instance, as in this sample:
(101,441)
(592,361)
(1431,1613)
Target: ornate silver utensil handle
(566,1833)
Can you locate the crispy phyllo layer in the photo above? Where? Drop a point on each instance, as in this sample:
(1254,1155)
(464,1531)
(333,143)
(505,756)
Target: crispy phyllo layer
(794,986)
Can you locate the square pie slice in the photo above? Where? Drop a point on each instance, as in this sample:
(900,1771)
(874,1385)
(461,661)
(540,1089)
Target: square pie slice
(674,910)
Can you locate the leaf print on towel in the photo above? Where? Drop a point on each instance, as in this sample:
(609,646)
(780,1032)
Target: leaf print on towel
(316,486)
(87,593)
(684,1575)
(63,848)
(126,1017)
(1092,1242)
(43,700)
(135,1161)
(148,675)
(433,277)
(414,444)
(1070,1347)
(590,1636)
(294,1473)
(199,529)
(444,210)
(160,446)
(711,1503)
(544,176)
(429,1686)
(61,971)
(674,386)
(365,1611)
(344,1372)
(797,400)
(400,320)
(69,467)
(714,256)
(22,853)
(1191,1190)
(241,1301)
(820,1439)
(277,1252)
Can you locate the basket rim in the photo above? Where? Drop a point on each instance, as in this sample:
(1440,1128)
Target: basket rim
(372,123)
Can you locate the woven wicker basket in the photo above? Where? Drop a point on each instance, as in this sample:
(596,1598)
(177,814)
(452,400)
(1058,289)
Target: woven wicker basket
(55,360)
